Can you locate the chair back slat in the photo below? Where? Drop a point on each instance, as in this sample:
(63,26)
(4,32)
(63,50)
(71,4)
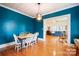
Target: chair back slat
(36,35)
(15,38)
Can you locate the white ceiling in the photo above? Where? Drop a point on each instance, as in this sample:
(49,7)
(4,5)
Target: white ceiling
(57,21)
(32,8)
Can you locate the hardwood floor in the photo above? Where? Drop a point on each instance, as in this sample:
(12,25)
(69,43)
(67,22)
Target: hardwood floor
(50,47)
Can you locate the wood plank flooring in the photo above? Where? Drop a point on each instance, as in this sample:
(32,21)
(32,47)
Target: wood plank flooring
(50,47)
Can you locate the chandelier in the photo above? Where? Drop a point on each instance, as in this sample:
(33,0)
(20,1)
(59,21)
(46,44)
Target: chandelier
(38,15)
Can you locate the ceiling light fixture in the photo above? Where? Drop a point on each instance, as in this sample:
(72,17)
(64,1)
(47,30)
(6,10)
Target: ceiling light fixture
(38,15)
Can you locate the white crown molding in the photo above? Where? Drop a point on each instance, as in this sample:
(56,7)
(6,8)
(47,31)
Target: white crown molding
(15,10)
(42,14)
(61,9)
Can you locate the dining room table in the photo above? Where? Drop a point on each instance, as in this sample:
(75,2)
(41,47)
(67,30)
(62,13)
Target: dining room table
(24,37)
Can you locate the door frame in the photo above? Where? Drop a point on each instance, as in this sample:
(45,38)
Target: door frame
(69,27)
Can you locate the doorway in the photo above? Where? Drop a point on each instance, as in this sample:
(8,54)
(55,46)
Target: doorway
(58,26)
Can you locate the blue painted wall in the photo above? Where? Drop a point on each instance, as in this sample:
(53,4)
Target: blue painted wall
(13,22)
(74,20)
(39,27)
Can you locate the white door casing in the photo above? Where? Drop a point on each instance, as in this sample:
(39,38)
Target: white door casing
(58,17)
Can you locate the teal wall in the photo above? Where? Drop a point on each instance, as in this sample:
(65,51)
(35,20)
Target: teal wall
(39,27)
(13,22)
(74,20)
(74,11)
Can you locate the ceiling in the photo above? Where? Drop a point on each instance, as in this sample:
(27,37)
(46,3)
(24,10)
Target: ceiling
(60,20)
(32,8)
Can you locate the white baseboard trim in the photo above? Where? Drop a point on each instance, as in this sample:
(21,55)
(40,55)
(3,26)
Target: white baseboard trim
(7,44)
(41,39)
(12,43)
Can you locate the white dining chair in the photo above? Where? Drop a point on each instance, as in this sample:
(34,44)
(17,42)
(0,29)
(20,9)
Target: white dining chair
(28,41)
(35,37)
(17,43)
